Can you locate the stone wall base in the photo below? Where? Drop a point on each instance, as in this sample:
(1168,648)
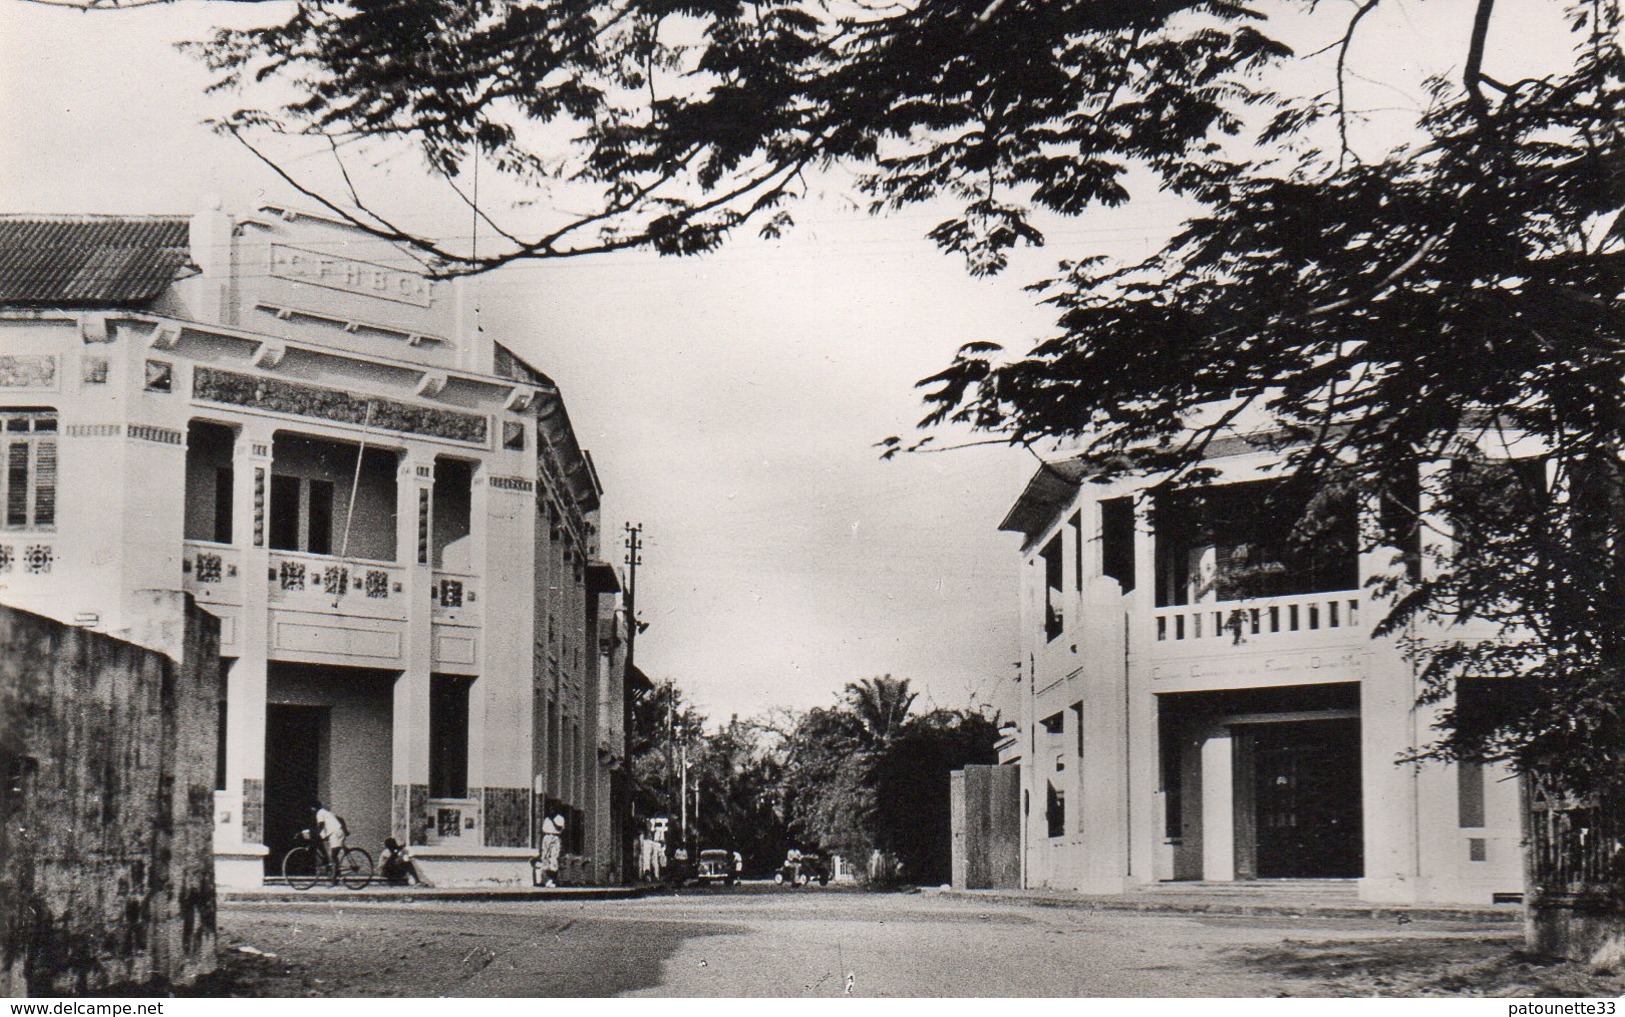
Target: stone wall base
(1590,933)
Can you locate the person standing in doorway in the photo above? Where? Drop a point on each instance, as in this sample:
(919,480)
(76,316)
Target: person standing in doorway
(552,845)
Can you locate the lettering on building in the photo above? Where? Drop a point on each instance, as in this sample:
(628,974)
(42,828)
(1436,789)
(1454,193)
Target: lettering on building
(351,276)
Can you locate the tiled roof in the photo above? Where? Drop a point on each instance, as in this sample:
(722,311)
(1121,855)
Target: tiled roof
(89,260)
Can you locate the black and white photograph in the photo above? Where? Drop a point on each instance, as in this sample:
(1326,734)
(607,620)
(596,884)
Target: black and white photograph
(525,499)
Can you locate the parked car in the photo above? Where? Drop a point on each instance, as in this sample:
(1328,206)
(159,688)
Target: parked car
(716,866)
(811,866)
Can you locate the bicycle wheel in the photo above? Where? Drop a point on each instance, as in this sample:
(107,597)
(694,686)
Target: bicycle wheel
(300,868)
(355,868)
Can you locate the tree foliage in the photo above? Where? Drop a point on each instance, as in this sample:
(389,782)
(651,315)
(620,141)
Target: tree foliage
(866,775)
(862,775)
(670,123)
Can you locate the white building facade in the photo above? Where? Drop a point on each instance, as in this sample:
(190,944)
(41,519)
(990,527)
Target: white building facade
(1201,699)
(388,511)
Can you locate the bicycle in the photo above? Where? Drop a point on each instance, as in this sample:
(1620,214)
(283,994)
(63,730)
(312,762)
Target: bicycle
(303,867)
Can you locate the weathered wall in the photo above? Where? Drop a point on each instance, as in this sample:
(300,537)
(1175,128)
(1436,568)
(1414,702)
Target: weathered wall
(986,821)
(106,806)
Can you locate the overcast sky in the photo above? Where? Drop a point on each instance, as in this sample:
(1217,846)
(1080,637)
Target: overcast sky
(731,402)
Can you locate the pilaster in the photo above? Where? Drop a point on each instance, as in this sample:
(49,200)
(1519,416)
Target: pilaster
(409,758)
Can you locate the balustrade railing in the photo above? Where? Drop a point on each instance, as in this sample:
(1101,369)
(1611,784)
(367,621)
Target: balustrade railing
(315,582)
(212,572)
(456,597)
(1243,621)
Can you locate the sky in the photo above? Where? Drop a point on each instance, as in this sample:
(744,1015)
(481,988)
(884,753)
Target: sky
(731,402)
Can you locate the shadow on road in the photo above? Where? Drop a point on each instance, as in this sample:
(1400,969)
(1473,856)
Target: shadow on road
(1487,966)
(538,950)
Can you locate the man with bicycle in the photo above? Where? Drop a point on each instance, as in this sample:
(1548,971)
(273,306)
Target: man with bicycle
(327,833)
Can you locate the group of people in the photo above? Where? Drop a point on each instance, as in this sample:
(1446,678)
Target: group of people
(328,831)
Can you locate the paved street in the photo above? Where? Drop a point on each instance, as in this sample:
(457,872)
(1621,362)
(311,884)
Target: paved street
(763,941)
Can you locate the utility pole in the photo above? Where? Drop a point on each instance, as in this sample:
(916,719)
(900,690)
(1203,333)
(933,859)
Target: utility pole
(629,835)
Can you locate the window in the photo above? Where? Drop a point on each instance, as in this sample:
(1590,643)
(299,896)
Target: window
(1075,525)
(513,435)
(1400,514)
(222,504)
(1495,502)
(301,504)
(448,736)
(28,483)
(1054,580)
(1470,794)
(221,682)
(1055,811)
(160,376)
(1077,734)
(1117,541)
(319,525)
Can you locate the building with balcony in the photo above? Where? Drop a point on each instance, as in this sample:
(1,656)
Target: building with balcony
(388,511)
(1201,699)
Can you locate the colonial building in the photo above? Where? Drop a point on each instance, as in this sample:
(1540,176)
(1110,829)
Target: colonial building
(1201,699)
(388,511)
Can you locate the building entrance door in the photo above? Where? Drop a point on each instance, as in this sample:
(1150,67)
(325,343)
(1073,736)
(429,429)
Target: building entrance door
(1298,808)
(293,757)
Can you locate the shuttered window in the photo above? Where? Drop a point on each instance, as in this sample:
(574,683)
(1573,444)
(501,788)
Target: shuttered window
(28,480)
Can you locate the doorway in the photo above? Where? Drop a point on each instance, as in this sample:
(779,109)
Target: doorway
(1298,804)
(294,738)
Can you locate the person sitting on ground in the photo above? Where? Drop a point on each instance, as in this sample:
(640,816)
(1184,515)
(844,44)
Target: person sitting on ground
(397,866)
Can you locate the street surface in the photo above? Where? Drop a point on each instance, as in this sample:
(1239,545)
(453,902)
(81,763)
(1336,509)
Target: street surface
(767,941)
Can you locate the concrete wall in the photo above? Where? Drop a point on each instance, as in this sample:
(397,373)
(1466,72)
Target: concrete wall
(106,806)
(985,809)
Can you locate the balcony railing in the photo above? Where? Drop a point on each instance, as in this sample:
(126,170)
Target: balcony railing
(212,572)
(326,584)
(1263,619)
(456,598)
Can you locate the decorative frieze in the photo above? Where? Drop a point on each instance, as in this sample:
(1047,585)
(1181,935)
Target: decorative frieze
(259,506)
(161,435)
(37,559)
(275,394)
(291,575)
(208,568)
(93,430)
(448,822)
(253,810)
(512,484)
(423,526)
(376,583)
(507,816)
(335,581)
(28,370)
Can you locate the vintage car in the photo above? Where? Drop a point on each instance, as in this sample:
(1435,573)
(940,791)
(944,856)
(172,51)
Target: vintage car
(716,866)
(811,866)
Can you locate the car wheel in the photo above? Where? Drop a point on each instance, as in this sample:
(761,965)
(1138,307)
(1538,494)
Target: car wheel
(778,877)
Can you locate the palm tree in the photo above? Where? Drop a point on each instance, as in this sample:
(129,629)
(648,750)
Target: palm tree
(882,705)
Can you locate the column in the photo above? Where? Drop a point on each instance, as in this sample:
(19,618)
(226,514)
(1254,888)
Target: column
(414,492)
(1143,758)
(1218,807)
(246,684)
